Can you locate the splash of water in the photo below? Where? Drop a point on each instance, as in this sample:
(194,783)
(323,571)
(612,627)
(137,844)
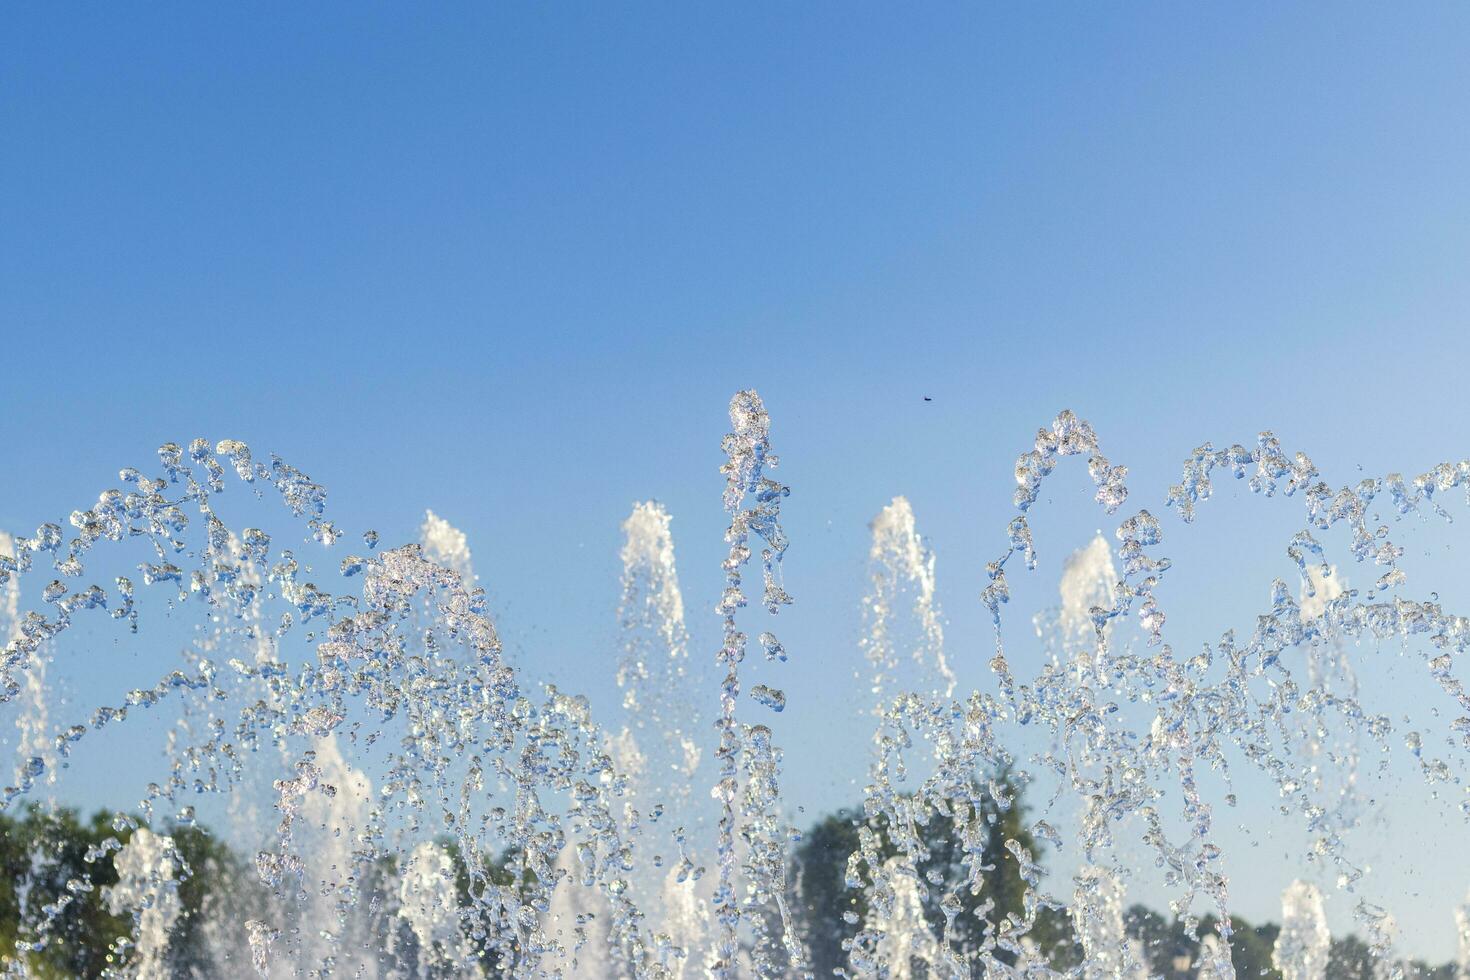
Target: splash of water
(33,720)
(1086,588)
(687,921)
(444,544)
(899,563)
(1098,918)
(1302,945)
(578,920)
(148,891)
(654,673)
(401,723)
(905,947)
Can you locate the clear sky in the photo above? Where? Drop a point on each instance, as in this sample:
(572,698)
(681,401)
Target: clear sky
(511,263)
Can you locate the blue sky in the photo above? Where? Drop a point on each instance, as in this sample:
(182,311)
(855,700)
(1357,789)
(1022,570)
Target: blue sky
(511,263)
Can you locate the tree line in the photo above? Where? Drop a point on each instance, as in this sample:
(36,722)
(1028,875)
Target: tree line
(44,853)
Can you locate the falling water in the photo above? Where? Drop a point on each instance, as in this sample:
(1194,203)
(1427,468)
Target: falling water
(578,921)
(683,950)
(903,935)
(664,728)
(429,903)
(33,719)
(1383,930)
(1086,590)
(1099,923)
(444,544)
(900,563)
(147,890)
(329,809)
(1301,946)
(417,807)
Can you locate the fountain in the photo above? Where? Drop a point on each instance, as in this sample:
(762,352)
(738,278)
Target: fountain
(439,813)
(1301,948)
(147,891)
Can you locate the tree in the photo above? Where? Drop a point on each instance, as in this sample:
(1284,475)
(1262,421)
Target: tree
(215,874)
(40,855)
(1252,948)
(1349,958)
(44,860)
(832,913)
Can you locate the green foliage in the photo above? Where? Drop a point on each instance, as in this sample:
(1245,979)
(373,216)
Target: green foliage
(41,852)
(824,900)
(1250,947)
(826,903)
(1167,943)
(490,935)
(216,877)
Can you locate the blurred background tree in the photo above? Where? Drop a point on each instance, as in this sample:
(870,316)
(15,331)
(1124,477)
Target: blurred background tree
(44,865)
